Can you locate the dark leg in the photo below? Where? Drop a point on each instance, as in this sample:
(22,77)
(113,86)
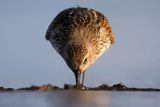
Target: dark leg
(77,76)
(83,77)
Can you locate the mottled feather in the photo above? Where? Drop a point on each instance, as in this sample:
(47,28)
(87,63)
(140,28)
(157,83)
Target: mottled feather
(81,26)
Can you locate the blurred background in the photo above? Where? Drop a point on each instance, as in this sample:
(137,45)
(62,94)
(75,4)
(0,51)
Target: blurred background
(26,58)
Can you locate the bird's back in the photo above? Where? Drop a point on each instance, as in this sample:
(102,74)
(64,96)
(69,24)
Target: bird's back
(80,24)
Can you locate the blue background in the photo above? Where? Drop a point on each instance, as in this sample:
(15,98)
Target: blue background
(26,58)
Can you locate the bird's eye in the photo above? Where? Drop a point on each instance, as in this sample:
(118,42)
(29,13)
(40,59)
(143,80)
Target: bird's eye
(85,61)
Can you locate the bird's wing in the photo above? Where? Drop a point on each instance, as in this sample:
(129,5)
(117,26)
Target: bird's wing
(56,31)
(106,37)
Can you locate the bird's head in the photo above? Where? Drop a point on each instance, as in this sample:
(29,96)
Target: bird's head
(78,56)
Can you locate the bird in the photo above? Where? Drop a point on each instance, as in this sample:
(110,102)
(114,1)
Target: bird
(80,36)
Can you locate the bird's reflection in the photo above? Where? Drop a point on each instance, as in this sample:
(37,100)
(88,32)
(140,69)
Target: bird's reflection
(74,98)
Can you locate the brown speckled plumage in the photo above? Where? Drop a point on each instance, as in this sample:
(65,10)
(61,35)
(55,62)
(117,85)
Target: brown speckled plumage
(80,36)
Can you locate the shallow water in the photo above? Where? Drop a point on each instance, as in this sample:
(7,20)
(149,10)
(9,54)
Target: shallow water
(80,99)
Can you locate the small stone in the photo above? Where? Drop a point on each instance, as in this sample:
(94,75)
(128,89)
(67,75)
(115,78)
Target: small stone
(9,89)
(104,87)
(68,86)
(119,86)
(2,88)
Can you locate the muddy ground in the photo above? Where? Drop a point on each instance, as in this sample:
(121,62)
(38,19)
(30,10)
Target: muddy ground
(49,87)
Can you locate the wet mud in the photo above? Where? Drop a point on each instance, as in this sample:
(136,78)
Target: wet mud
(49,87)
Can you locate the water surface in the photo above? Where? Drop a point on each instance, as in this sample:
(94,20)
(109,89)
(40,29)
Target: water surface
(80,99)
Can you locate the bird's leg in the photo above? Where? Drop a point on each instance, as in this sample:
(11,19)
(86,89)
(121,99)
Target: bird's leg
(77,76)
(83,78)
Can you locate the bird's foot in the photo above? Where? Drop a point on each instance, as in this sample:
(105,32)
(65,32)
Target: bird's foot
(79,87)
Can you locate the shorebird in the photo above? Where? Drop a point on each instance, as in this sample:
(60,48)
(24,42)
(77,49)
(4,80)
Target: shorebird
(80,36)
